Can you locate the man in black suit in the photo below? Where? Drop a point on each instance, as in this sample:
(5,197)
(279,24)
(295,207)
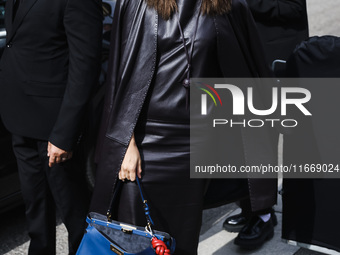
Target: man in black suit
(282,25)
(48,69)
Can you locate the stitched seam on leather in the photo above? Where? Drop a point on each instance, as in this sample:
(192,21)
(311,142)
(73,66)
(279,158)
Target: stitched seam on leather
(140,108)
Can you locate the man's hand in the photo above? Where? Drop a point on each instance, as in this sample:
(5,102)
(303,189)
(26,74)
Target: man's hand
(57,155)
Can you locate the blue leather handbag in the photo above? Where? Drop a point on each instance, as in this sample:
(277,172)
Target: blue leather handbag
(105,236)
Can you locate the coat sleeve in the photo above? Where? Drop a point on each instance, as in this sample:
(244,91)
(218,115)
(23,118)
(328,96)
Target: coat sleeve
(83,29)
(277,10)
(121,25)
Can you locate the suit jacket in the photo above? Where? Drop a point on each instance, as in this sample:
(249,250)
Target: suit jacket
(131,70)
(282,25)
(49,66)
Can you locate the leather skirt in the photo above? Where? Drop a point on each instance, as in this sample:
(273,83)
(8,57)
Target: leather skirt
(175,200)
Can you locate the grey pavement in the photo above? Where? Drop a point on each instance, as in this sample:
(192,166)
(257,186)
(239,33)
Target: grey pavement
(214,240)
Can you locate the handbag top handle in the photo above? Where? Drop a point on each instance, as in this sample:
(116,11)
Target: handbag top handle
(144,201)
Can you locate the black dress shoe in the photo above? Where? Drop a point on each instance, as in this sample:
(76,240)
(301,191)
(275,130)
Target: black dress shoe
(235,223)
(255,233)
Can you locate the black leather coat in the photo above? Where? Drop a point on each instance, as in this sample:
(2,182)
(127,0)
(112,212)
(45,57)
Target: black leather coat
(132,67)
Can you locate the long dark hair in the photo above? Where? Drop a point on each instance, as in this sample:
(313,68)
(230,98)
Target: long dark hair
(166,8)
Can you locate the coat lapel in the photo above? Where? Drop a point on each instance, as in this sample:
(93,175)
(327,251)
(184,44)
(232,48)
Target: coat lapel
(24,8)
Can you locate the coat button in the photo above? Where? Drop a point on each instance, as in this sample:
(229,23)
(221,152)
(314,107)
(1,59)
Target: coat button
(9,45)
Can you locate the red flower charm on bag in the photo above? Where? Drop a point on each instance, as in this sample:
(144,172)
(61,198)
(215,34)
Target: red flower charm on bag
(159,246)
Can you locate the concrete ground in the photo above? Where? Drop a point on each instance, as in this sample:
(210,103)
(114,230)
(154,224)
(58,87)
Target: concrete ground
(214,240)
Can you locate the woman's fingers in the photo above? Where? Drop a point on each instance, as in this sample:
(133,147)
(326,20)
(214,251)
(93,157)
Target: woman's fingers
(120,176)
(131,164)
(132,177)
(128,172)
(139,169)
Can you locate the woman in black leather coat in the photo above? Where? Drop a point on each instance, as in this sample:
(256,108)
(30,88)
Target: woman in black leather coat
(145,129)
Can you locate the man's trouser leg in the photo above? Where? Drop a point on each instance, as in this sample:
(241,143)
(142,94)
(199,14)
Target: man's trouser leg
(40,186)
(40,209)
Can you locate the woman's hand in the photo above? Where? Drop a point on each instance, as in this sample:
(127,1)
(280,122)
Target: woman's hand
(132,162)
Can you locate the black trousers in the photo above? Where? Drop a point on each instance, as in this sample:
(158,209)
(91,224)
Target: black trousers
(44,189)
